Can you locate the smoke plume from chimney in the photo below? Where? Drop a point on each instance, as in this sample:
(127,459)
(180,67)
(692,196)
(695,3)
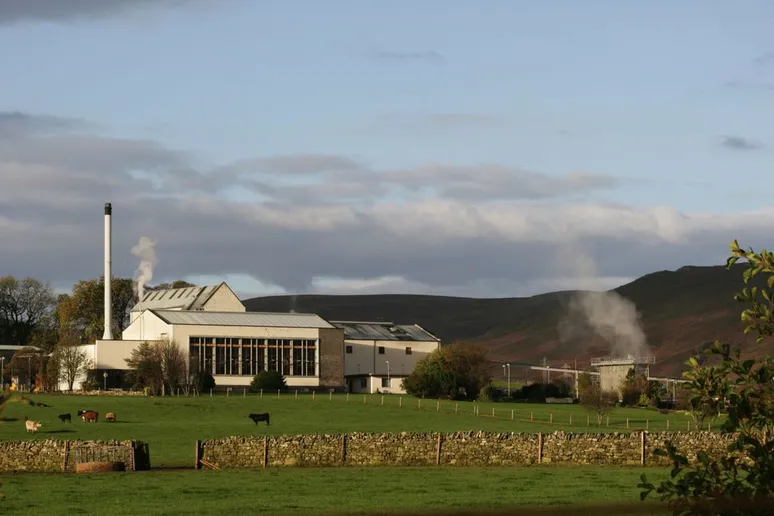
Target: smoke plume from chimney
(145,251)
(605,314)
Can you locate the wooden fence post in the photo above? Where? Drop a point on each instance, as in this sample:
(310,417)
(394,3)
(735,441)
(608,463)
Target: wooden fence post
(438,450)
(66,454)
(511,414)
(438,406)
(344,449)
(540,448)
(198,464)
(642,448)
(265,451)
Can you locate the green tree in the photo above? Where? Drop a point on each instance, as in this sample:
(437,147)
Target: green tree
(173,284)
(86,310)
(268,381)
(742,480)
(24,307)
(451,372)
(147,370)
(203,381)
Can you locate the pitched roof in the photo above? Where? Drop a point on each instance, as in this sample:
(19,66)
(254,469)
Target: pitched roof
(186,298)
(251,319)
(355,330)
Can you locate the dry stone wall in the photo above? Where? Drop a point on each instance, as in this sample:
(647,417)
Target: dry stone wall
(455,449)
(50,455)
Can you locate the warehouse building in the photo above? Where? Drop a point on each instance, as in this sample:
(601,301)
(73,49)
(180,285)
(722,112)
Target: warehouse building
(379,355)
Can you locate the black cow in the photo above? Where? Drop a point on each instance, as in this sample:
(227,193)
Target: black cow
(259,417)
(65,417)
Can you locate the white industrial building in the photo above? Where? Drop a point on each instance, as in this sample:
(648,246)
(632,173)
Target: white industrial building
(379,355)
(218,335)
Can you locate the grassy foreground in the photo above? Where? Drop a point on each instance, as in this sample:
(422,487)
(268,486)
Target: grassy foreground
(171,425)
(334,490)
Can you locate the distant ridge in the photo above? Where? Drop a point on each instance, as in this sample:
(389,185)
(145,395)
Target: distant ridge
(681,311)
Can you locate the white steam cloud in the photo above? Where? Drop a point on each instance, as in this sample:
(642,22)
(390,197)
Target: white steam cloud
(606,314)
(145,251)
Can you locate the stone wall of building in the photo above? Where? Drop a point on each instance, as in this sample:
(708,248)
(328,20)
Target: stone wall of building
(456,449)
(50,455)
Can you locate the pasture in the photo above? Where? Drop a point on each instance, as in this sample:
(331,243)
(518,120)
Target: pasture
(333,490)
(171,425)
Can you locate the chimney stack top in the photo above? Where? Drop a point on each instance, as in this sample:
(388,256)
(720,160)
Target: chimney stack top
(108,208)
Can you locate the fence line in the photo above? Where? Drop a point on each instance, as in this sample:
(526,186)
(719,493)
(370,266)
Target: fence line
(678,422)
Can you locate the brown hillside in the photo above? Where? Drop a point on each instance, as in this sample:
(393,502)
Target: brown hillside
(680,311)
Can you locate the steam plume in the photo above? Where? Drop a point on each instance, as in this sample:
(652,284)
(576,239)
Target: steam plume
(606,314)
(145,251)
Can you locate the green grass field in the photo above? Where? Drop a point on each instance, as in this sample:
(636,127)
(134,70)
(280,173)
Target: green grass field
(332,490)
(171,425)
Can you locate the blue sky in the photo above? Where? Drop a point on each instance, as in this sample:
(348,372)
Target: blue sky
(673,100)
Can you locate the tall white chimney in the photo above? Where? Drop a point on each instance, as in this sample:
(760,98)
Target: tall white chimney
(108,335)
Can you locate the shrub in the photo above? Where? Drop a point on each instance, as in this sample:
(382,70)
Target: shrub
(268,381)
(203,381)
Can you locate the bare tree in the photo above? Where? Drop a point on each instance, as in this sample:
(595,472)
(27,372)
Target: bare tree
(173,363)
(597,401)
(73,362)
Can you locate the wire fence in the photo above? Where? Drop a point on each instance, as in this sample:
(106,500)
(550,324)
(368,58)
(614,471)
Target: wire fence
(559,415)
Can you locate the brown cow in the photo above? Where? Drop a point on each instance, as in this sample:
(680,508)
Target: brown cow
(89,415)
(110,416)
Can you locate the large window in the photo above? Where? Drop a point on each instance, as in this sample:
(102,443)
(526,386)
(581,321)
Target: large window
(236,356)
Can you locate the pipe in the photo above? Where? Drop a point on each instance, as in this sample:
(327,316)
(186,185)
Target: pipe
(108,334)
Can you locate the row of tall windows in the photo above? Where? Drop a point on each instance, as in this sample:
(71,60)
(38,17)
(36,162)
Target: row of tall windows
(248,357)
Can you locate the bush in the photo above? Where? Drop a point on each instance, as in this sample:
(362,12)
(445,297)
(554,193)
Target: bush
(203,381)
(268,381)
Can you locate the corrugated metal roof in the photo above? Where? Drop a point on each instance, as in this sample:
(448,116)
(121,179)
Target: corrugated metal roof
(187,298)
(266,319)
(354,330)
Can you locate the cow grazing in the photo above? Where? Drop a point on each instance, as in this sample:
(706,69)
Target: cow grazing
(88,415)
(65,417)
(110,416)
(259,417)
(32,426)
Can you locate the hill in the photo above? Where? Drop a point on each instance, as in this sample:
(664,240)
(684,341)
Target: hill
(680,311)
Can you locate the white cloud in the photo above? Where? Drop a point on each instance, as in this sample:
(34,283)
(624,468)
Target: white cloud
(521,233)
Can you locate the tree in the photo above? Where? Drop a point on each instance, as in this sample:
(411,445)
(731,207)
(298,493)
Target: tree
(86,310)
(739,482)
(597,401)
(147,371)
(456,371)
(72,362)
(268,381)
(24,305)
(203,381)
(173,364)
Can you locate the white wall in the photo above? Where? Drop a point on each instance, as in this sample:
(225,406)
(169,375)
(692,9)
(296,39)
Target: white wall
(111,354)
(224,300)
(147,327)
(366,359)
(374,384)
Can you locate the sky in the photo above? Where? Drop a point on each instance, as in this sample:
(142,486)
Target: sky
(485,149)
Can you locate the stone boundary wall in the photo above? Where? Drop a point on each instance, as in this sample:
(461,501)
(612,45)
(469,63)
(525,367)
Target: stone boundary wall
(453,449)
(50,455)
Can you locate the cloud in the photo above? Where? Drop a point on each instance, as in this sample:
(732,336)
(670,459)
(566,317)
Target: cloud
(430,56)
(764,59)
(60,11)
(332,223)
(15,124)
(739,143)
